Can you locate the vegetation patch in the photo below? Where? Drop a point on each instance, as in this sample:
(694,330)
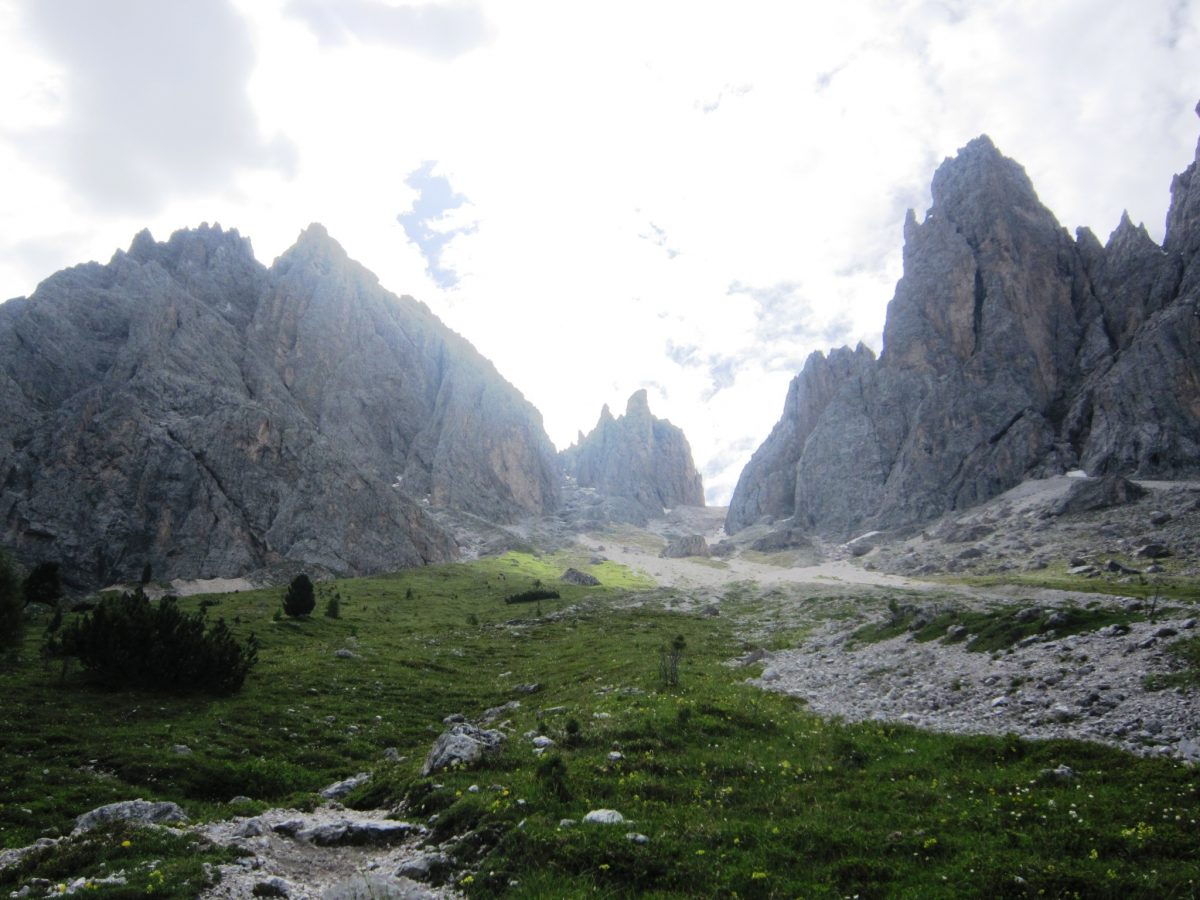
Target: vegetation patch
(1186,655)
(990,630)
(724,788)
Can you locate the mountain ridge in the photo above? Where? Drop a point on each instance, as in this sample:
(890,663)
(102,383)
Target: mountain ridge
(187,407)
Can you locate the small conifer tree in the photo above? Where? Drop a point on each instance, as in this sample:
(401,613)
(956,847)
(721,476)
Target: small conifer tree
(43,585)
(333,609)
(300,599)
(12,605)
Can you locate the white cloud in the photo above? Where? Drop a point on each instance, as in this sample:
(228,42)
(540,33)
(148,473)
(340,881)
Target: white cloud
(625,164)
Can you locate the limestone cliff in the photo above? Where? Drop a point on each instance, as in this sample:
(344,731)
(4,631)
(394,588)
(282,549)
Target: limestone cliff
(636,458)
(1010,350)
(186,407)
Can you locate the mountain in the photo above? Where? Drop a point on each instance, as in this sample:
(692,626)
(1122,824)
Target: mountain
(641,464)
(1010,350)
(186,407)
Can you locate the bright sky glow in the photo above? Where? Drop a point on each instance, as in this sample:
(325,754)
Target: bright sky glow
(684,196)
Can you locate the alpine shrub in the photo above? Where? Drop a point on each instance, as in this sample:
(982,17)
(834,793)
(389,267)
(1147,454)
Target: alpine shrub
(127,641)
(44,584)
(532,596)
(300,599)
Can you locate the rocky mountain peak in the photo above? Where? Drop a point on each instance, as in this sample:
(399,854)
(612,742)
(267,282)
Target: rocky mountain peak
(638,404)
(637,458)
(186,407)
(1009,351)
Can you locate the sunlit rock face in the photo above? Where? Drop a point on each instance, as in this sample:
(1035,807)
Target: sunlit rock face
(637,458)
(1011,350)
(186,407)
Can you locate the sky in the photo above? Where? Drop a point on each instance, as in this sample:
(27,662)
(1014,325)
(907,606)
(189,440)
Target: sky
(687,197)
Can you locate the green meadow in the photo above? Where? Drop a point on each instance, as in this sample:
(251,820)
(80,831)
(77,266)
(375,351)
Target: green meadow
(737,792)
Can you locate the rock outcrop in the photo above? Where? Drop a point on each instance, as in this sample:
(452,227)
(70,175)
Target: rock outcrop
(642,462)
(185,406)
(1010,351)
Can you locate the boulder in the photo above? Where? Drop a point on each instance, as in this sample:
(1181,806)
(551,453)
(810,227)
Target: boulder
(340,789)
(355,833)
(1088,494)
(604,817)
(462,744)
(690,545)
(138,812)
(574,576)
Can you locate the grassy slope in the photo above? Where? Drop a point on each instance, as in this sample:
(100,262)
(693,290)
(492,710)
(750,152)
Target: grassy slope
(739,792)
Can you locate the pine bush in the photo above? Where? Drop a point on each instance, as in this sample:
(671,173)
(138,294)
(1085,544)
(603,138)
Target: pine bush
(127,641)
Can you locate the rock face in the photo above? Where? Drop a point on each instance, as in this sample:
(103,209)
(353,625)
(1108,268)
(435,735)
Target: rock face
(1010,351)
(636,458)
(186,407)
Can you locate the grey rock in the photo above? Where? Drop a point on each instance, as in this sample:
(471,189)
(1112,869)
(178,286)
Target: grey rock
(340,789)
(1152,551)
(492,714)
(689,545)
(1028,614)
(141,812)
(344,653)
(186,407)
(637,838)
(289,827)
(430,867)
(645,460)
(181,749)
(784,539)
(1089,494)
(461,744)
(574,576)
(604,817)
(253,827)
(272,887)
(1158,518)
(375,886)
(357,833)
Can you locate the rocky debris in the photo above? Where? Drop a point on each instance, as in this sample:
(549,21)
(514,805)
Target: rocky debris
(1027,536)
(197,411)
(604,817)
(345,653)
(574,576)
(688,545)
(462,744)
(340,789)
(1088,686)
(1010,351)
(1089,494)
(644,460)
(329,853)
(139,812)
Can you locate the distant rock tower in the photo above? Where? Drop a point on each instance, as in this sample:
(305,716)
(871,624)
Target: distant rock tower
(638,458)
